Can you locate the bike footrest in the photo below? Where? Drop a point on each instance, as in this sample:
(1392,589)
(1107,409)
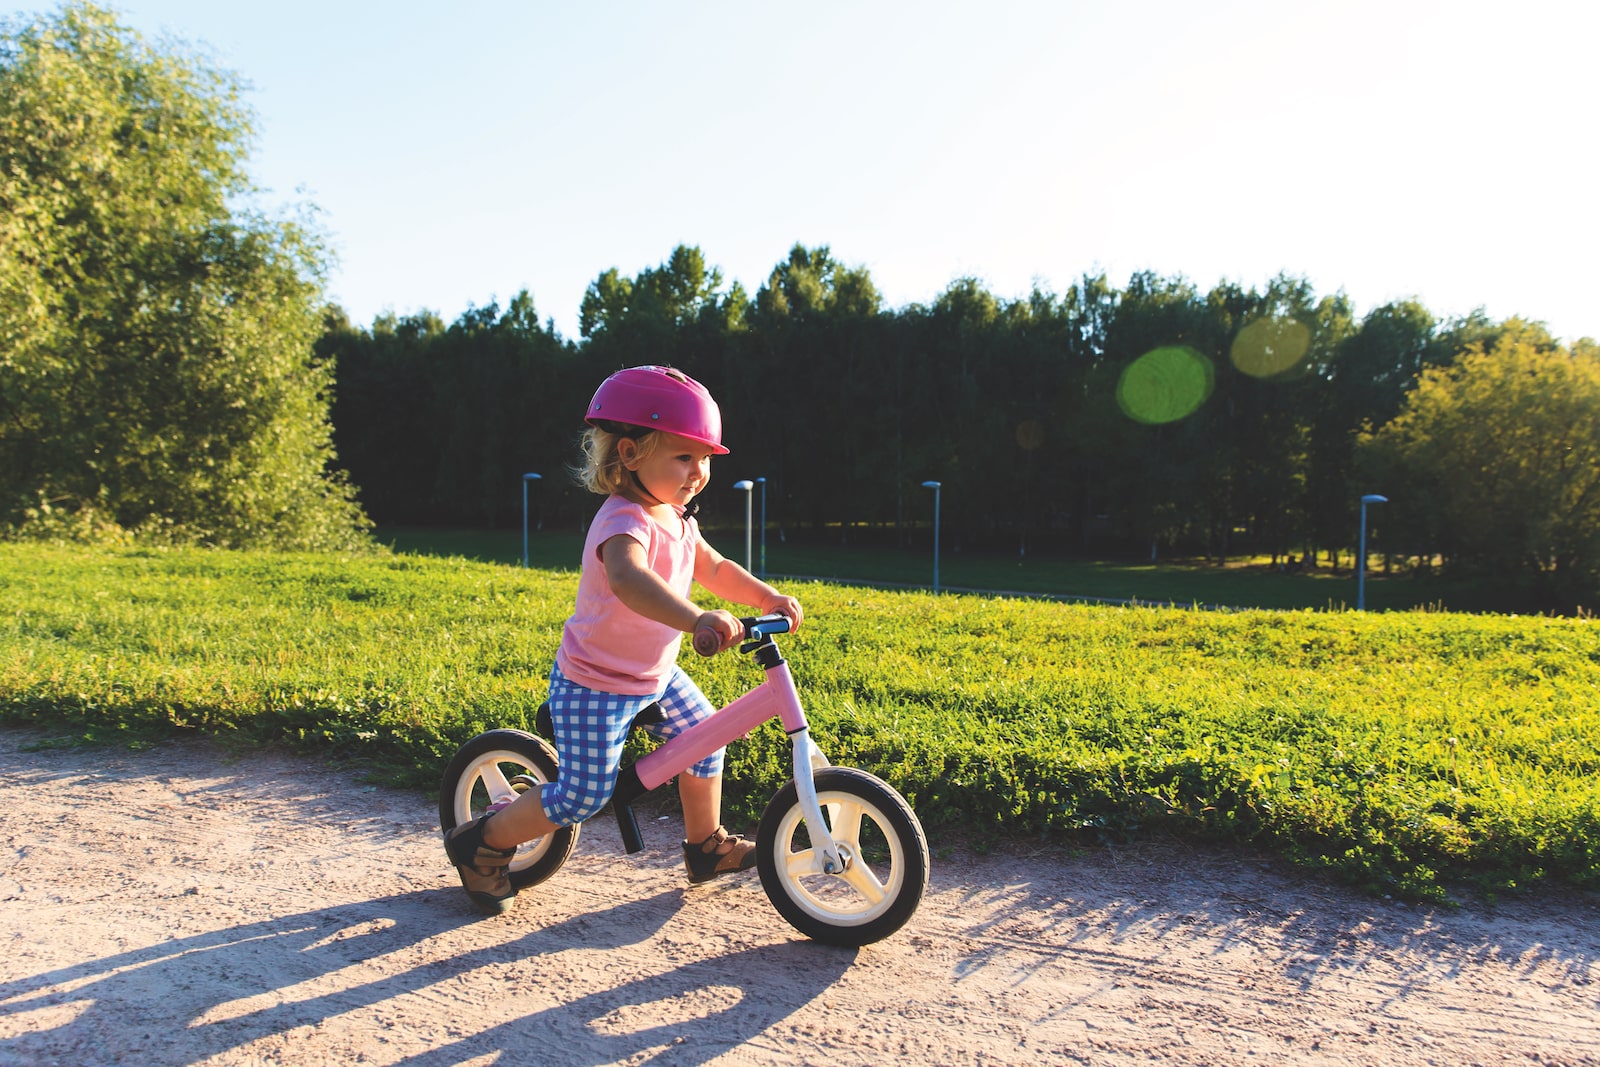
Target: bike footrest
(629,789)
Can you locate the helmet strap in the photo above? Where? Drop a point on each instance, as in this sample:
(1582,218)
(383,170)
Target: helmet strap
(687,512)
(639,485)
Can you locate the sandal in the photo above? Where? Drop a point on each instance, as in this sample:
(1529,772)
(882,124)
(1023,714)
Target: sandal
(485,872)
(706,860)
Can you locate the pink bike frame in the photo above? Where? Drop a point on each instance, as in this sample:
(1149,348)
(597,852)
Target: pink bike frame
(775,698)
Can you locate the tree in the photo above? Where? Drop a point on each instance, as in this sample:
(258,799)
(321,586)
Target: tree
(814,344)
(1363,376)
(156,328)
(438,424)
(1498,451)
(812,282)
(648,314)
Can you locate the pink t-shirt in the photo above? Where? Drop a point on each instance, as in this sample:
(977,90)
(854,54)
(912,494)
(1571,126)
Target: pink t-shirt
(605,645)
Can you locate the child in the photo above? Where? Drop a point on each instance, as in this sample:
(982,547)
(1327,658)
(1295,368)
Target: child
(652,433)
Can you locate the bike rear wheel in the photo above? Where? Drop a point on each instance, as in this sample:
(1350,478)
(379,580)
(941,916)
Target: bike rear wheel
(494,764)
(886,856)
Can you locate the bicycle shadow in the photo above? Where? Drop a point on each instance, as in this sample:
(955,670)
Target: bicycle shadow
(600,1028)
(246,977)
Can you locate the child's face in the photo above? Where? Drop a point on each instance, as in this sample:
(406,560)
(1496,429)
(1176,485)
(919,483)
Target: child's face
(674,471)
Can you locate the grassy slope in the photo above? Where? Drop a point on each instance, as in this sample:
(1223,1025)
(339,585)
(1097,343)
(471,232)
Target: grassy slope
(1398,749)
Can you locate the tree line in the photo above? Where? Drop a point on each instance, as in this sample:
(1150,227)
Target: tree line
(1151,419)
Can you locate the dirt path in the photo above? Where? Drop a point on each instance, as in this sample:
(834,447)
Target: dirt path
(175,907)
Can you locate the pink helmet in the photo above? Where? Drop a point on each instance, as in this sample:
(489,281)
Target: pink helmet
(659,398)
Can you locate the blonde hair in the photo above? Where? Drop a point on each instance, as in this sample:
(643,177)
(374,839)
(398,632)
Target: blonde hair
(602,470)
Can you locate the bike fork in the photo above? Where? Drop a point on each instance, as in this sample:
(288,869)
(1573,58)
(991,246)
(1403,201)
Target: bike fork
(807,757)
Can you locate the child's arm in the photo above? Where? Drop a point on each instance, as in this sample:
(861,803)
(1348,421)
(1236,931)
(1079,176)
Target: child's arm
(730,581)
(643,590)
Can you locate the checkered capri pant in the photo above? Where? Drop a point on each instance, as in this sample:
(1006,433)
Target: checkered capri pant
(591,727)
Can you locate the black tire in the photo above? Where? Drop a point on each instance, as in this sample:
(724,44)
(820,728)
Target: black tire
(888,853)
(494,761)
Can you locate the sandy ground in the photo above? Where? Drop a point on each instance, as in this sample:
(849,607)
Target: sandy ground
(178,906)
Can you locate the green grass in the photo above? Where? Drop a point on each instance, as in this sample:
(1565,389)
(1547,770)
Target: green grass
(1245,583)
(1403,751)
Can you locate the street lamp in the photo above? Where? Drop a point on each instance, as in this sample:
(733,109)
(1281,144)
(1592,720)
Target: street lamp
(762,482)
(746,485)
(526,478)
(1361,563)
(935,487)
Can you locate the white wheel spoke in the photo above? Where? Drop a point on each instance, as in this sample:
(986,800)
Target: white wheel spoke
(845,823)
(802,863)
(863,881)
(494,780)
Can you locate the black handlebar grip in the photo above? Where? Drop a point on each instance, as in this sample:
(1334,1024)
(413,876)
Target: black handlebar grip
(707,642)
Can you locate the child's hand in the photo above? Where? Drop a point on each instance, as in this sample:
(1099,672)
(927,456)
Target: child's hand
(719,626)
(788,607)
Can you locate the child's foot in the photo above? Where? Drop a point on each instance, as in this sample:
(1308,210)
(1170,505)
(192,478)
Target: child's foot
(485,872)
(721,853)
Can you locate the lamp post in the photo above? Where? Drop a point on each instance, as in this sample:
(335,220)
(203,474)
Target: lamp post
(1361,562)
(746,484)
(526,478)
(762,482)
(935,487)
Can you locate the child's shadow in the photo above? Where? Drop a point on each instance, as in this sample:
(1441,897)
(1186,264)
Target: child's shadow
(687,1016)
(266,959)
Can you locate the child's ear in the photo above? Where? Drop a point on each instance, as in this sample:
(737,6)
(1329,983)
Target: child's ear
(628,452)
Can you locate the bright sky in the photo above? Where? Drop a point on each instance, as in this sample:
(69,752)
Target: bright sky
(1389,148)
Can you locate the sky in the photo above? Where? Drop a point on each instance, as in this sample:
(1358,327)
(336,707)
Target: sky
(1388,149)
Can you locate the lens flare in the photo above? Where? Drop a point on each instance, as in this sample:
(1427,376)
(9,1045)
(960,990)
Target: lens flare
(1268,347)
(1165,384)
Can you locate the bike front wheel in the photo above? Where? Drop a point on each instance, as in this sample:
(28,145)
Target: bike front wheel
(885,852)
(500,763)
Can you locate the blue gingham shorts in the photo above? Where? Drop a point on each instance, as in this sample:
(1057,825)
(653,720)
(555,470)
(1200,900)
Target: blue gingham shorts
(591,727)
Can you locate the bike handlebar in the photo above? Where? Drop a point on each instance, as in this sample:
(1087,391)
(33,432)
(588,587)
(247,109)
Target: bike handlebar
(707,643)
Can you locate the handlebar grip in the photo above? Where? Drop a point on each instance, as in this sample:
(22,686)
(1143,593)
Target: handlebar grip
(706,641)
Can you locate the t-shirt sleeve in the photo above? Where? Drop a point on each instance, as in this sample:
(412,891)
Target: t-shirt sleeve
(625,519)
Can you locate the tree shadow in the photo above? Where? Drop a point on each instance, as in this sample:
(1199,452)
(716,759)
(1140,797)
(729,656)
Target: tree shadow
(1313,931)
(235,969)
